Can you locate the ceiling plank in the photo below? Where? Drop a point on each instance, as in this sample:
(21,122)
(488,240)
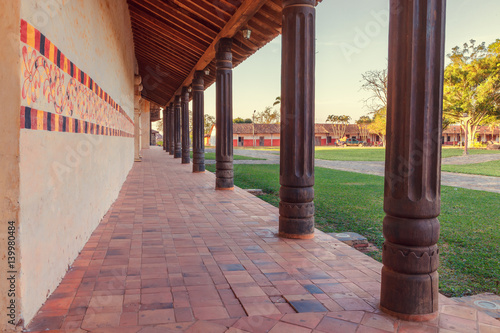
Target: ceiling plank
(240,18)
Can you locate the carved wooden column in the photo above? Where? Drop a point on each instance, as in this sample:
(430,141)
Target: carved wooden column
(412,196)
(166,142)
(137,117)
(171,124)
(177,127)
(224,116)
(198,122)
(297,120)
(185,125)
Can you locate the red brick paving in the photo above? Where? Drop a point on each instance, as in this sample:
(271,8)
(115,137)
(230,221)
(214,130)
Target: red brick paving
(174,255)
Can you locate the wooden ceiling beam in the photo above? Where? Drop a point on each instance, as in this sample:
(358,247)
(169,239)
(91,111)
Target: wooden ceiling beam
(240,18)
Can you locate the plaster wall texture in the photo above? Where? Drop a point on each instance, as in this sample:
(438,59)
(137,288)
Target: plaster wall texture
(145,120)
(10,103)
(69,180)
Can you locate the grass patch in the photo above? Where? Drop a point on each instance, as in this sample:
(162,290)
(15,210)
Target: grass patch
(378,154)
(452,152)
(211,156)
(491,168)
(350,154)
(345,201)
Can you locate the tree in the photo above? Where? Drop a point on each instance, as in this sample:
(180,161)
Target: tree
(339,124)
(363,123)
(240,120)
(277,101)
(268,116)
(375,82)
(379,124)
(472,85)
(209,121)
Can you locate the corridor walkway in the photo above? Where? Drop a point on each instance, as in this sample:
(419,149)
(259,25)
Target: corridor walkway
(173,255)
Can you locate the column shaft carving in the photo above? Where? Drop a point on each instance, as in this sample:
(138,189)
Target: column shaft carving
(412,198)
(171,125)
(224,115)
(198,122)
(185,125)
(297,120)
(177,127)
(165,129)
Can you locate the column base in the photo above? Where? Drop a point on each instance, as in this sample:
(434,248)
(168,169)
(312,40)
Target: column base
(409,317)
(224,189)
(409,297)
(186,162)
(138,159)
(295,236)
(198,168)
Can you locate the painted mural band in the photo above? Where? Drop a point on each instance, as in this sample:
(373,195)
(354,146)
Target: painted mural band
(68,96)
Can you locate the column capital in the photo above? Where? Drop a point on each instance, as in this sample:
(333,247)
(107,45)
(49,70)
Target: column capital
(224,45)
(287,3)
(185,94)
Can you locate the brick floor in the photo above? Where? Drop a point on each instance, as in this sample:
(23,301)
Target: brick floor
(174,255)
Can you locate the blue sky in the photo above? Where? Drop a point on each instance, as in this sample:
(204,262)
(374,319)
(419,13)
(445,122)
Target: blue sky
(351,38)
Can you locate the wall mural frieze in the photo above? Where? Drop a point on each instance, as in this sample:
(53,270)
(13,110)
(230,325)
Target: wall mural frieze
(56,87)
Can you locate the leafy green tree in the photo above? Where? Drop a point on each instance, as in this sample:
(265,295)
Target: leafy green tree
(209,121)
(379,124)
(339,124)
(240,120)
(472,85)
(268,116)
(363,122)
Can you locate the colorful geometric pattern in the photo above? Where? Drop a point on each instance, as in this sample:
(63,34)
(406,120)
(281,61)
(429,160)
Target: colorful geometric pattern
(50,79)
(47,121)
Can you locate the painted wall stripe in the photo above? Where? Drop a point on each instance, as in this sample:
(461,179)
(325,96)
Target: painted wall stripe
(47,121)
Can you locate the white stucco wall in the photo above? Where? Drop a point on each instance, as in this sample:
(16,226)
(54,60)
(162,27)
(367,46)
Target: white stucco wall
(69,180)
(10,102)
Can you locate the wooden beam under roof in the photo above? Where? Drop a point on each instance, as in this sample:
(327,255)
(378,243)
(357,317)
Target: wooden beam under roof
(243,14)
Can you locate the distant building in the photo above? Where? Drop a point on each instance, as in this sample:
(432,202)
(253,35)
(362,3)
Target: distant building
(268,135)
(455,135)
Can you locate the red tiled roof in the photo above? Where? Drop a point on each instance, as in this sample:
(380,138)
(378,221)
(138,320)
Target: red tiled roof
(480,130)
(352,129)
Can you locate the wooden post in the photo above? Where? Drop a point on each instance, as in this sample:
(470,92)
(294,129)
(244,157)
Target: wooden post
(412,196)
(185,125)
(224,115)
(177,127)
(198,122)
(171,129)
(166,143)
(297,120)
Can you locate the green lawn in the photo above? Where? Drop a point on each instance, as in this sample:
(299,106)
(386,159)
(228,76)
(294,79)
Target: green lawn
(470,237)
(350,153)
(211,156)
(378,154)
(486,169)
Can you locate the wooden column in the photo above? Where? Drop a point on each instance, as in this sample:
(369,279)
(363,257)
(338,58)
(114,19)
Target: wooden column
(177,127)
(224,115)
(185,125)
(165,129)
(412,196)
(297,120)
(171,126)
(198,122)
